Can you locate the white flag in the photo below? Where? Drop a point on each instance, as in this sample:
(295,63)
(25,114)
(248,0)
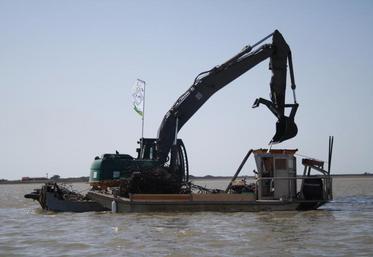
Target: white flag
(139,97)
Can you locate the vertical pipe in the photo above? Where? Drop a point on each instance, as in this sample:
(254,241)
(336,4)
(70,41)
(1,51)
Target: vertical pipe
(331,141)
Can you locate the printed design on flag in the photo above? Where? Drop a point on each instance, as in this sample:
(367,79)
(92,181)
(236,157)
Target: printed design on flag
(138,98)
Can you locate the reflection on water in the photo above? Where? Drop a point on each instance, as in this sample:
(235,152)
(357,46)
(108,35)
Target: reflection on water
(343,227)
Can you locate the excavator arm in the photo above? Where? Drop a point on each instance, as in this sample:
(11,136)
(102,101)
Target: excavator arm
(209,82)
(150,172)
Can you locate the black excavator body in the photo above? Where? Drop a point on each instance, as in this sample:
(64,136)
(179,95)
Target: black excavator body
(163,160)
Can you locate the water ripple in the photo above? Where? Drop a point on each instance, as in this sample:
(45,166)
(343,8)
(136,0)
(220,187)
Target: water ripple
(343,227)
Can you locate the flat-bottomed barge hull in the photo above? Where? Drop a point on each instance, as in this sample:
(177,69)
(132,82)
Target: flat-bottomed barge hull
(196,202)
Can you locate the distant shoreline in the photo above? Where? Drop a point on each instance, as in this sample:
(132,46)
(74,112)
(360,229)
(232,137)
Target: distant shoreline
(41,181)
(191,177)
(208,177)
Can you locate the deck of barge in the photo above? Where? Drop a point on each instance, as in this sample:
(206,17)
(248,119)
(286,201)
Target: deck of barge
(198,202)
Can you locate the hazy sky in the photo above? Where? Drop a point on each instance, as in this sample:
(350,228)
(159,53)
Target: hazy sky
(67,69)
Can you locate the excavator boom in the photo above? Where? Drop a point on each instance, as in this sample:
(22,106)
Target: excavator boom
(209,82)
(161,166)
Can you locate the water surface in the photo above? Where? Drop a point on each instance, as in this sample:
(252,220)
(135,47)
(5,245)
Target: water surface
(343,227)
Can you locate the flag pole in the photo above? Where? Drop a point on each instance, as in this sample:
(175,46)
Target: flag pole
(143,110)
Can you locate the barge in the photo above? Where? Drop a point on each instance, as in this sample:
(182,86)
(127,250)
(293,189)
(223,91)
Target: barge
(277,188)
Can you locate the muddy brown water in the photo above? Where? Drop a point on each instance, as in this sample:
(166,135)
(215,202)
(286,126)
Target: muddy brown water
(343,227)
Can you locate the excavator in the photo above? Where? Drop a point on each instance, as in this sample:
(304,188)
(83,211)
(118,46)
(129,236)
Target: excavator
(161,165)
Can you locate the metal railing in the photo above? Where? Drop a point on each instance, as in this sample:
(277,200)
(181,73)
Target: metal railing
(327,188)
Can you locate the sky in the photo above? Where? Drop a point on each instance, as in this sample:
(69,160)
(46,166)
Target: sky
(67,69)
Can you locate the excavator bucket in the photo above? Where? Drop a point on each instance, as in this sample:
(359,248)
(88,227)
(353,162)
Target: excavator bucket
(285,129)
